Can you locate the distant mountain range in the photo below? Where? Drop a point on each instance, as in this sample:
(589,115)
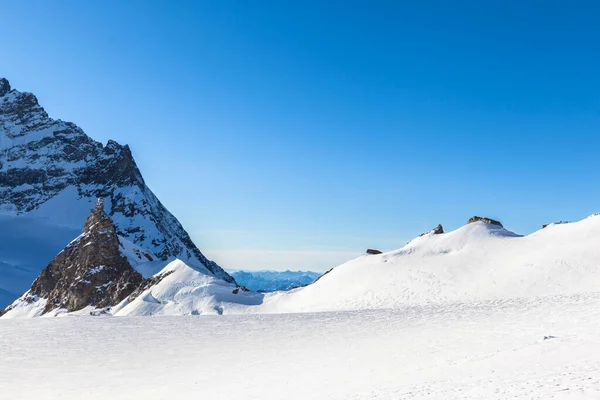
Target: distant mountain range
(271,281)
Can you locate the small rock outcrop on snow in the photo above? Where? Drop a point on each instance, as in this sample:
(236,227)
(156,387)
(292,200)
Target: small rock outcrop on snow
(554,223)
(373,251)
(438,229)
(90,271)
(484,220)
(435,231)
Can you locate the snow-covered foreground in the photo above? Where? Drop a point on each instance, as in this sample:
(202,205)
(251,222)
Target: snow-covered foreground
(491,350)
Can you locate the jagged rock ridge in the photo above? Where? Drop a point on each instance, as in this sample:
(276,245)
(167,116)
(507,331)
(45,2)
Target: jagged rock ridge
(42,158)
(90,271)
(438,230)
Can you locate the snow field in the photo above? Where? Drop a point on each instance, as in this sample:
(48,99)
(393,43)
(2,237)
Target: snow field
(489,349)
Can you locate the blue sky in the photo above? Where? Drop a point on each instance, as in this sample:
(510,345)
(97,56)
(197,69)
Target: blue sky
(297,134)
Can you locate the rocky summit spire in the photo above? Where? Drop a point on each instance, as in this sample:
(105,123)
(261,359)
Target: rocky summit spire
(90,271)
(98,216)
(435,231)
(4,86)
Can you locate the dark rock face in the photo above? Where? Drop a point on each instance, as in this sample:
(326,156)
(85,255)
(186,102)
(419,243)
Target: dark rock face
(484,220)
(438,229)
(4,86)
(373,251)
(435,231)
(90,271)
(41,157)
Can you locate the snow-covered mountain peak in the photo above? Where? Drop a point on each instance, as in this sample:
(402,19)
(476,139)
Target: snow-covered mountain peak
(478,261)
(472,234)
(50,169)
(21,115)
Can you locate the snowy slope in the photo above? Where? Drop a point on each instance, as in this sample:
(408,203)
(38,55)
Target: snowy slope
(474,351)
(185,291)
(477,261)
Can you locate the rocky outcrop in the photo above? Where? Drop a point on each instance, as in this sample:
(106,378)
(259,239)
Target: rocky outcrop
(484,220)
(42,158)
(90,271)
(438,229)
(435,231)
(555,223)
(4,86)
(373,251)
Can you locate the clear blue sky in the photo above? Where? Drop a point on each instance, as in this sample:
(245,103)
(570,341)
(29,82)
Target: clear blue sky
(297,134)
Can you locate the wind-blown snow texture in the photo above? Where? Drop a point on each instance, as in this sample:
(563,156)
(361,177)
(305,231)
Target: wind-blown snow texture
(478,350)
(51,173)
(271,281)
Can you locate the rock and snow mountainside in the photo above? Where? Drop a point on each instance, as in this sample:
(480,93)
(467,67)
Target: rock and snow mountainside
(51,173)
(98,273)
(90,272)
(479,261)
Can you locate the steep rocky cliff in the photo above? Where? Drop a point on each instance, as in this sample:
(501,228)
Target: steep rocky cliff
(90,271)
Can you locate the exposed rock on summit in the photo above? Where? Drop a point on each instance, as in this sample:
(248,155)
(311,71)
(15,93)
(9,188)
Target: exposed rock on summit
(4,86)
(90,271)
(484,220)
(435,231)
(555,223)
(373,251)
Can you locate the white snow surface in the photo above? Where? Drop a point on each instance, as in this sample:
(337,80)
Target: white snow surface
(475,350)
(185,291)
